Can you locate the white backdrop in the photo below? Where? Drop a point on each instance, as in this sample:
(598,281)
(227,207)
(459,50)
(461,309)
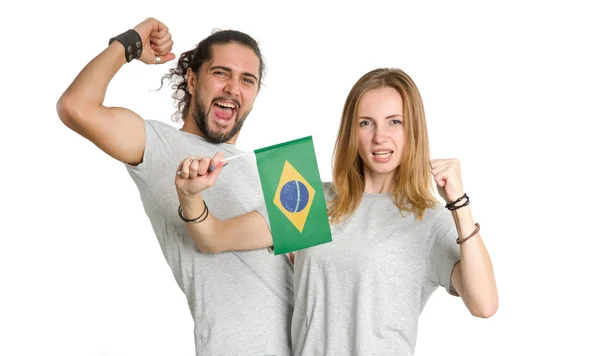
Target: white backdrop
(511,89)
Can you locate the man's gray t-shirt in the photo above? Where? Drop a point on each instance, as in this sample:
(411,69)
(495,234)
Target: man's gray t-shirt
(362,294)
(241,302)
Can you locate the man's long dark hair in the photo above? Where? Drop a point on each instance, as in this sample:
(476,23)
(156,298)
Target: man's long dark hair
(196,57)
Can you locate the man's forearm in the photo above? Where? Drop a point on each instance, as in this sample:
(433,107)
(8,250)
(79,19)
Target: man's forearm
(89,87)
(203,233)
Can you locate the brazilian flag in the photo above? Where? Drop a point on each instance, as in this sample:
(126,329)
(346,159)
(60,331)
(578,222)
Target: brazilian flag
(293,195)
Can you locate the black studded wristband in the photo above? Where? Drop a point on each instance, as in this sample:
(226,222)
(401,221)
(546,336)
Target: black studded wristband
(132,42)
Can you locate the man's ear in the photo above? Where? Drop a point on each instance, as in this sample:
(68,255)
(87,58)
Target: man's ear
(191,80)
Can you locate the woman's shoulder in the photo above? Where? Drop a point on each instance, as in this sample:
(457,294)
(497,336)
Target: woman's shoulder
(438,214)
(328,191)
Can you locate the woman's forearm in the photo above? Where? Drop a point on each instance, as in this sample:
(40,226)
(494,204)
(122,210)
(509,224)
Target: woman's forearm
(475,274)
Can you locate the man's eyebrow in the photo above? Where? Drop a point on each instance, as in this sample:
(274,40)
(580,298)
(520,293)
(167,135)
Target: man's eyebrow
(248,74)
(229,70)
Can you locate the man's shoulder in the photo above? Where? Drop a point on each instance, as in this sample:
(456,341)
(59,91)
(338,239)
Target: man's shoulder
(163,133)
(161,126)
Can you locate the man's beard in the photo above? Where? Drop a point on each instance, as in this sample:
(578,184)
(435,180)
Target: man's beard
(200,117)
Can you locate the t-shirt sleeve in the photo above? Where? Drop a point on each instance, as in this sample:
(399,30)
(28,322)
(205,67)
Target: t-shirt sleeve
(262,210)
(444,252)
(157,144)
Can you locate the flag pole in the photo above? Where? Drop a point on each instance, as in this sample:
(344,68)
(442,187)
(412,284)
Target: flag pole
(228,159)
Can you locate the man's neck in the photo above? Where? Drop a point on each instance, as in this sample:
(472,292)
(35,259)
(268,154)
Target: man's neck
(189,126)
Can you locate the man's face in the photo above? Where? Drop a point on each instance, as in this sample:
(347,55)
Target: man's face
(225,91)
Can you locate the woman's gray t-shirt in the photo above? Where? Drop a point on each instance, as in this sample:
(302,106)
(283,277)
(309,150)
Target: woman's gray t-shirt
(362,294)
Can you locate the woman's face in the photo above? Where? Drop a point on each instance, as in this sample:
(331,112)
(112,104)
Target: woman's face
(380,131)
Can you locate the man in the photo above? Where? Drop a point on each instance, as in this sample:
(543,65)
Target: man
(241,302)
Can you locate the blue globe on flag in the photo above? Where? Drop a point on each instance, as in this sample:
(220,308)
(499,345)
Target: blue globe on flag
(294,196)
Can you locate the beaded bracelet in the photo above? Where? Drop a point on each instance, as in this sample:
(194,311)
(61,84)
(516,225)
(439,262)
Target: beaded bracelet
(452,206)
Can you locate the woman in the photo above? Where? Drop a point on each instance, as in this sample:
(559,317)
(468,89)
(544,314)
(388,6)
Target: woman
(393,244)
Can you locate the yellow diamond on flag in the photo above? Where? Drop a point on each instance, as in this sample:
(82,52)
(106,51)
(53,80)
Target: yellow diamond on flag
(294,196)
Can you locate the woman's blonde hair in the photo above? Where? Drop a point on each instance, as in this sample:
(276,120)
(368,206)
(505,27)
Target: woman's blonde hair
(413,188)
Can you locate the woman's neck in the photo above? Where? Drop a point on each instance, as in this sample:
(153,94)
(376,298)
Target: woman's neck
(379,183)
